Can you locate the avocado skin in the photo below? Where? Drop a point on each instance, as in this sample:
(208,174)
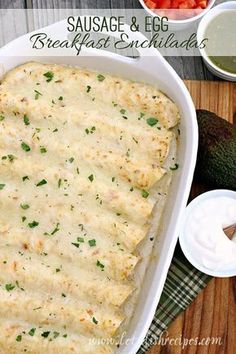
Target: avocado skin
(216,162)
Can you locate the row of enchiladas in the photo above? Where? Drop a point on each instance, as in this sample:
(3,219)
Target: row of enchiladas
(81,155)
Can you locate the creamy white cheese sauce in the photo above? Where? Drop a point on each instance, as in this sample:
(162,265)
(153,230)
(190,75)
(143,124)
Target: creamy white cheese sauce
(205,237)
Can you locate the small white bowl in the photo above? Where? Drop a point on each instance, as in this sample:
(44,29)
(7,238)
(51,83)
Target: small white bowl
(184,239)
(180,24)
(223,74)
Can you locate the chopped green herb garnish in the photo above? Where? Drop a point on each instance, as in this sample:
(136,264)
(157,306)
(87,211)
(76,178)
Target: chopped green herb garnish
(64,335)
(24,206)
(18,338)
(113,179)
(55,334)
(95,321)
(88,89)
(2,185)
(1,117)
(145,194)
(63,295)
(91,130)
(122,111)
(152,121)
(25,178)
(32,332)
(77,170)
(176,166)
(56,229)
(11,157)
(60,98)
(9,287)
(100,265)
(49,75)
(33,224)
(18,286)
(131,189)
(80,239)
(41,183)
(37,94)
(26,120)
(55,130)
(75,244)
(114,104)
(71,159)
(58,270)
(23,218)
(141,115)
(43,150)
(92,243)
(91,178)
(100,77)
(25,146)
(59,183)
(45,334)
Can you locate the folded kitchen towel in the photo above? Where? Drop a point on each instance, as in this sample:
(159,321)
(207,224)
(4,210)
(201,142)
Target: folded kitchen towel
(183,284)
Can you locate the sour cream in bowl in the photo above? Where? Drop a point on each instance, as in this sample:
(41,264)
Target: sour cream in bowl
(202,238)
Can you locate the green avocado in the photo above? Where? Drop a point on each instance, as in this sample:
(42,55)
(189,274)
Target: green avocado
(216,162)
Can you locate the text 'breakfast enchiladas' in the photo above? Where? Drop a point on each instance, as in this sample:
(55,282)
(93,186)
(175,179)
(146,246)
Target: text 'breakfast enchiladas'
(84,158)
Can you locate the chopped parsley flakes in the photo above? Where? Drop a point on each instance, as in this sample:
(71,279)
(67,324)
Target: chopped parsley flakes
(1,117)
(176,166)
(88,89)
(145,194)
(152,121)
(25,178)
(18,338)
(24,206)
(91,178)
(41,183)
(71,159)
(56,229)
(2,185)
(100,77)
(75,244)
(100,265)
(9,287)
(32,332)
(43,150)
(37,94)
(45,334)
(90,131)
(92,243)
(26,120)
(25,146)
(33,224)
(49,75)
(95,321)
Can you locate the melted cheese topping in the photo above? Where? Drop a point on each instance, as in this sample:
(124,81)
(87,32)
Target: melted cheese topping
(81,155)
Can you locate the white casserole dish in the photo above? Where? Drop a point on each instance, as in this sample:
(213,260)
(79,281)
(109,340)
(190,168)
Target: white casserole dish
(151,68)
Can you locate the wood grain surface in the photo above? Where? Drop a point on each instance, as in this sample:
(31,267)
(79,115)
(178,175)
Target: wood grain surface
(213,313)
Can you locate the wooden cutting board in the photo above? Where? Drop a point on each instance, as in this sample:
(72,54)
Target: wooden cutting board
(213,313)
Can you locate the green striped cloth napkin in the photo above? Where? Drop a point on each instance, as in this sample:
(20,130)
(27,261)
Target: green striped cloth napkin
(183,284)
